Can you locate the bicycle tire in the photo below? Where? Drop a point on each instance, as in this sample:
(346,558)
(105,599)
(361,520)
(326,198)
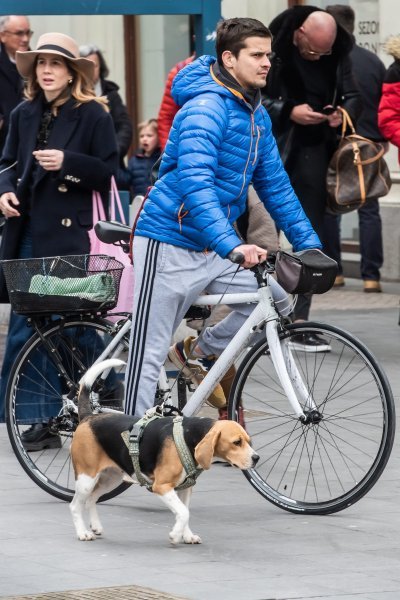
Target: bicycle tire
(79,341)
(326,466)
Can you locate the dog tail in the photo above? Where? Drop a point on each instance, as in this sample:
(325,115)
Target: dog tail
(85,384)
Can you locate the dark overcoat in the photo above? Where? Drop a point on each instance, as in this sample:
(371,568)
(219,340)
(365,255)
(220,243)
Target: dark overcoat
(286,87)
(11,91)
(59,202)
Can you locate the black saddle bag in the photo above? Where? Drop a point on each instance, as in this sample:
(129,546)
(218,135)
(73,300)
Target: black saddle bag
(305,271)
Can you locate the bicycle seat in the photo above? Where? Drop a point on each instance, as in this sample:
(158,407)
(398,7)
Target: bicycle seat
(111,232)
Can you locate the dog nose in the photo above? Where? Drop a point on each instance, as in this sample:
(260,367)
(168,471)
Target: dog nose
(255,458)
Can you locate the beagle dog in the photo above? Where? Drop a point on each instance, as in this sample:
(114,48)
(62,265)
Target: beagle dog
(102,461)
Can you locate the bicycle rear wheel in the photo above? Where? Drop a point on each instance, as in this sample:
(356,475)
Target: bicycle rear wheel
(331,461)
(38,379)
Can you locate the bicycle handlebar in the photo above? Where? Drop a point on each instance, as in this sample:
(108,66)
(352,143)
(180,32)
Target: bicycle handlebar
(236,257)
(267,265)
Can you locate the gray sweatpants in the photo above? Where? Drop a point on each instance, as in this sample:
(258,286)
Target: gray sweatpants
(167,281)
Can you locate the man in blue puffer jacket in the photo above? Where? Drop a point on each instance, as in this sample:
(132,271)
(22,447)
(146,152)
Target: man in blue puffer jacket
(220,142)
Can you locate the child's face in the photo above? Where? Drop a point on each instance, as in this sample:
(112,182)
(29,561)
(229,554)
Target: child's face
(148,140)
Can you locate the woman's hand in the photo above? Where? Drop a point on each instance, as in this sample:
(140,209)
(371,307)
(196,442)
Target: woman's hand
(49,160)
(8,202)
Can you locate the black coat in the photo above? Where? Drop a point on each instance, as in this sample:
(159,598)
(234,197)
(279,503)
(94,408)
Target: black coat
(11,91)
(60,202)
(120,117)
(369,73)
(285,87)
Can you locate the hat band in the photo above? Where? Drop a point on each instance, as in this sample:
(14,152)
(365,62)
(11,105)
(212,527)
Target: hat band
(58,48)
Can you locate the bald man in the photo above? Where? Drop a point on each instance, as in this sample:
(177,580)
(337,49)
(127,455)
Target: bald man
(15,34)
(309,78)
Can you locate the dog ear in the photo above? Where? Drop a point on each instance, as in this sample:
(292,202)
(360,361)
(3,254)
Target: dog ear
(204,450)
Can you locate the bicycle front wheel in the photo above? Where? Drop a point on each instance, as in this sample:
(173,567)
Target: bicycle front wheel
(48,366)
(333,459)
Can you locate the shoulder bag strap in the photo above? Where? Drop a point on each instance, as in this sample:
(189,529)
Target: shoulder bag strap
(346,122)
(116,202)
(98,208)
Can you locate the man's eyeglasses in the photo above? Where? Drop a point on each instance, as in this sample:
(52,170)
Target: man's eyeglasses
(20,32)
(312,53)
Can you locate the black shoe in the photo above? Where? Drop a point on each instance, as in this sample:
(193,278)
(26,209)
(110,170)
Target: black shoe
(39,437)
(309,342)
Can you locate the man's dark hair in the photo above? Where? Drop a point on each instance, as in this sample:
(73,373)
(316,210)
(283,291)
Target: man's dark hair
(344,15)
(232,35)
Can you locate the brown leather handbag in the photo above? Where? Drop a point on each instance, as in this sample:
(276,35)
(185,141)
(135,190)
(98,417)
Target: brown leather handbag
(357,171)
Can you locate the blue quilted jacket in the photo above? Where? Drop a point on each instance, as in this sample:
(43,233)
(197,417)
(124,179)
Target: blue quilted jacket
(218,144)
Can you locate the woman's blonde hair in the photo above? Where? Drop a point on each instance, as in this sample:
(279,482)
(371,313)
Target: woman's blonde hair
(81,88)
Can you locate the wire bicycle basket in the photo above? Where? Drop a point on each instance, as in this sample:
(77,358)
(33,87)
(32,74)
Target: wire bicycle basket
(59,284)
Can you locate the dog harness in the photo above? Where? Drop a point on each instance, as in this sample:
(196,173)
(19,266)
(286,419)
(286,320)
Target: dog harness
(185,456)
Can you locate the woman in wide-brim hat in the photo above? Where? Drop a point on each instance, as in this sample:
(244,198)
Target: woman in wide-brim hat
(60,147)
(64,48)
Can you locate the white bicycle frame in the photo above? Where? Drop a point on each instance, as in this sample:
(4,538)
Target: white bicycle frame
(264,314)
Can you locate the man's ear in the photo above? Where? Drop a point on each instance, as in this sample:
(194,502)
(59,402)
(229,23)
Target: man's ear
(227,58)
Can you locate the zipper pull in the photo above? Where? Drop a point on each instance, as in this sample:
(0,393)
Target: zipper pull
(181,214)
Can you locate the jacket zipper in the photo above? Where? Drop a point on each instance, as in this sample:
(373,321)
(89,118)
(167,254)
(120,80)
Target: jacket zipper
(256,148)
(181,215)
(249,154)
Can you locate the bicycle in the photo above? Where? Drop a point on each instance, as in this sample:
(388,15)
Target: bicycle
(323,423)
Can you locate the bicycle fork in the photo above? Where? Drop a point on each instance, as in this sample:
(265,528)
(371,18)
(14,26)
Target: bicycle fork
(288,373)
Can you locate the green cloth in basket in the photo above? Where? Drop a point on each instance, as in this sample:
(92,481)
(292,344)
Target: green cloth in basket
(98,288)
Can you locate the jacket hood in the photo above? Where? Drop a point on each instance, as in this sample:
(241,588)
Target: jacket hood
(286,23)
(392,46)
(195,79)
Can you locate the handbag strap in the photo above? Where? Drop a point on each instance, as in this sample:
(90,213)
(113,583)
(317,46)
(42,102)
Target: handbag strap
(353,137)
(346,122)
(98,208)
(116,202)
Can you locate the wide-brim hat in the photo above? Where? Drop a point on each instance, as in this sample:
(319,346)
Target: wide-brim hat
(53,43)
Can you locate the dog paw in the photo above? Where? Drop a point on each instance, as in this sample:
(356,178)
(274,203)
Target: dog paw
(97,530)
(87,536)
(192,539)
(175,538)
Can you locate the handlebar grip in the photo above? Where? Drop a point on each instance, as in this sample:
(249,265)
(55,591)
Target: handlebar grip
(236,257)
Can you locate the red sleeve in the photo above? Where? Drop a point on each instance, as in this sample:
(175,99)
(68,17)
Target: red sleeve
(168,110)
(389,112)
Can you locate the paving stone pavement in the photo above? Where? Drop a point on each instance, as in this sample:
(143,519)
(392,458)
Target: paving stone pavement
(352,296)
